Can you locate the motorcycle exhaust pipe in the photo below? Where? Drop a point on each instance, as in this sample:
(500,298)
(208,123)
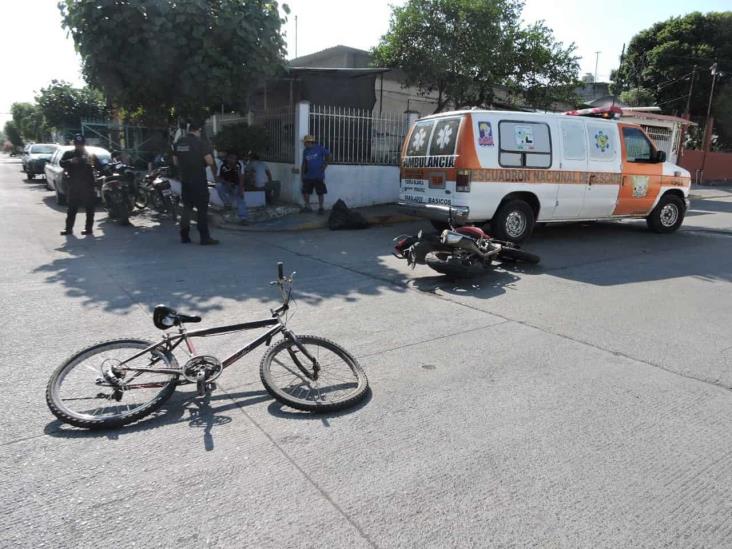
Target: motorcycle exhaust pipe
(457,240)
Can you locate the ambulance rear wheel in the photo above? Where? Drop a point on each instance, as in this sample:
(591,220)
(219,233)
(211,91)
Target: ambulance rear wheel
(668,215)
(514,221)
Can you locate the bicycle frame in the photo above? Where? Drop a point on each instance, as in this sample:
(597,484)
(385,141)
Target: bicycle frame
(169,343)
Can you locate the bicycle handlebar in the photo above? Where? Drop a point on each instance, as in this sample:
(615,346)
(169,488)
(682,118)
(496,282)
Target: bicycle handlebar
(280,270)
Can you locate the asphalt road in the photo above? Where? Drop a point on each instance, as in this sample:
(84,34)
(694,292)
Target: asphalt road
(584,402)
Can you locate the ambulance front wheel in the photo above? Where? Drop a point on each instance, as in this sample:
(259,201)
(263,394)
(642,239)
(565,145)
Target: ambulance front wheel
(668,215)
(514,221)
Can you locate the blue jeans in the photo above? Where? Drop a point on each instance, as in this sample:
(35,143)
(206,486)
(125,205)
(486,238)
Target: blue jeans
(233,196)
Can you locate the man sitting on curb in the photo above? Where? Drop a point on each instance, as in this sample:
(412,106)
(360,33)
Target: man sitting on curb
(315,160)
(230,186)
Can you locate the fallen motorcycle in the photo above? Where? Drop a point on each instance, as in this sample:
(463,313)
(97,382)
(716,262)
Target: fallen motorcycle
(458,252)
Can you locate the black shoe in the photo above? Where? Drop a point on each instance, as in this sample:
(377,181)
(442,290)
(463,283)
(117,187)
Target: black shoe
(209,242)
(185,240)
(88,232)
(243,222)
(67,232)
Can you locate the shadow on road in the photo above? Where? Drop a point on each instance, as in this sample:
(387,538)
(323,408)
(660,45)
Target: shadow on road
(205,413)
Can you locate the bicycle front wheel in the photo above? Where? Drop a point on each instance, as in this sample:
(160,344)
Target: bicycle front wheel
(91,390)
(340,381)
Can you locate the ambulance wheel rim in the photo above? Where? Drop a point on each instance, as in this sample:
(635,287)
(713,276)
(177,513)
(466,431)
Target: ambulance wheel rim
(669,214)
(515,224)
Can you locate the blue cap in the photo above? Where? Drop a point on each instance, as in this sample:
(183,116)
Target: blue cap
(79,139)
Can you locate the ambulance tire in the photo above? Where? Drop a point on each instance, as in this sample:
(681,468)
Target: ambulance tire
(514,221)
(668,215)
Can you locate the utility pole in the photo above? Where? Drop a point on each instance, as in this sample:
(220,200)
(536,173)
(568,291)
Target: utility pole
(707,123)
(296,36)
(597,60)
(691,91)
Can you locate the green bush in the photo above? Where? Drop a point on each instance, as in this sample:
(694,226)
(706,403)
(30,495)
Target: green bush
(242,138)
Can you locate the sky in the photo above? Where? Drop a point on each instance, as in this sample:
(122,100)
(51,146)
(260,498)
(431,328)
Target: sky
(37,49)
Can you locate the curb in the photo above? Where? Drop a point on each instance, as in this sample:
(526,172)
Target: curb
(320,223)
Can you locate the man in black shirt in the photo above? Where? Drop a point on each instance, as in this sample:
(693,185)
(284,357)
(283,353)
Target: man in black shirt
(191,157)
(80,168)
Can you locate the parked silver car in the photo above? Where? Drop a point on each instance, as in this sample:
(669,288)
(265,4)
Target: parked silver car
(35,157)
(56,177)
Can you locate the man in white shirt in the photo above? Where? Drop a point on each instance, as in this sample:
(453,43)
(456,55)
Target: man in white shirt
(260,175)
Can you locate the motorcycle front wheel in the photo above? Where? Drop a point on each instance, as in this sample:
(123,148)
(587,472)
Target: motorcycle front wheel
(455,267)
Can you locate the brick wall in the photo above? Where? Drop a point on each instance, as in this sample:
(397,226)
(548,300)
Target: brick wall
(718,165)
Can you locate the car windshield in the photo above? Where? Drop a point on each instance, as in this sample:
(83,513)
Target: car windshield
(42,149)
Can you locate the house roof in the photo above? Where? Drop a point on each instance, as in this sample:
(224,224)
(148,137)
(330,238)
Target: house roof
(342,72)
(304,60)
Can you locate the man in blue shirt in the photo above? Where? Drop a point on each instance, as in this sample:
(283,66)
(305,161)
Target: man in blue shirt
(315,160)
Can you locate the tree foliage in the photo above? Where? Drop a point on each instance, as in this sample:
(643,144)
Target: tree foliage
(463,49)
(167,55)
(12,134)
(638,97)
(63,106)
(663,58)
(29,121)
(242,138)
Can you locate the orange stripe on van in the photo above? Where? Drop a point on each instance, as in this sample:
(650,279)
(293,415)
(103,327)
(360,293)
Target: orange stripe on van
(509,175)
(466,156)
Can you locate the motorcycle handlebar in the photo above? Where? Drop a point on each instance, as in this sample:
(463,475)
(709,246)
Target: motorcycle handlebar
(280,270)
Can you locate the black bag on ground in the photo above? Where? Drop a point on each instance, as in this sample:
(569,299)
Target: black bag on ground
(343,218)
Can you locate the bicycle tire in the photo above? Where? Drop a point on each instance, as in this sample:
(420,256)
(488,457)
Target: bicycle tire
(66,415)
(358,393)
(516,254)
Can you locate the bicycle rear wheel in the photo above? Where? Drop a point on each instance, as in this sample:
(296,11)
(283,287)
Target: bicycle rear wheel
(88,390)
(341,382)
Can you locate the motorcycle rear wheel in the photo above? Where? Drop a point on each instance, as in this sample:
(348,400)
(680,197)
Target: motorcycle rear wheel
(449,265)
(516,254)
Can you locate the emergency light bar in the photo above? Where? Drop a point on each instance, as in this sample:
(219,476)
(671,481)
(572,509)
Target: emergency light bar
(610,113)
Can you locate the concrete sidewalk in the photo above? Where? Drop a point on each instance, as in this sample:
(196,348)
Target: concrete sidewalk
(385,214)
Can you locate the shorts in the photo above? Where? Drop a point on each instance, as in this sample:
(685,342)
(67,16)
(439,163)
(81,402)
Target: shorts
(309,184)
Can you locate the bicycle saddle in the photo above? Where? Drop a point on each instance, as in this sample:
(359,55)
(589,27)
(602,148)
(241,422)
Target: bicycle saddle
(165,317)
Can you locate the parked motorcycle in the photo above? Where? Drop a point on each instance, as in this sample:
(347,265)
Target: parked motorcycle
(117,189)
(159,192)
(458,252)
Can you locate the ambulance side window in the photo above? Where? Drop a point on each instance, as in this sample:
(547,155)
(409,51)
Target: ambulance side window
(574,140)
(637,146)
(524,144)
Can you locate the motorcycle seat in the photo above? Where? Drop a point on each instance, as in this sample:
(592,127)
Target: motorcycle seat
(165,317)
(475,232)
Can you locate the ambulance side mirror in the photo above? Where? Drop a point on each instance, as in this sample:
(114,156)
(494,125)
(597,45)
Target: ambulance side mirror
(660,156)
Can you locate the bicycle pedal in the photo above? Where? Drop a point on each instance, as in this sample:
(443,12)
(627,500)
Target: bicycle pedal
(210,387)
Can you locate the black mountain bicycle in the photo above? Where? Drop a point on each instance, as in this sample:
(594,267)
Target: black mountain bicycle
(117,382)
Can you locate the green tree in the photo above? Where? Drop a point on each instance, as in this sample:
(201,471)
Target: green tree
(242,138)
(13,134)
(638,97)
(168,56)
(30,121)
(63,106)
(663,58)
(463,49)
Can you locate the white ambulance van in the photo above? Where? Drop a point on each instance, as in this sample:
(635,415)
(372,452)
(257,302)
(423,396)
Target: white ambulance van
(515,169)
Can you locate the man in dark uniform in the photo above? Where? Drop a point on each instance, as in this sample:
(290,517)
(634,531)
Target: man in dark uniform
(80,168)
(191,157)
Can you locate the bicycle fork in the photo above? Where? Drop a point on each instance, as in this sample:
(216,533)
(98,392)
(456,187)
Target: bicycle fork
(312,375)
